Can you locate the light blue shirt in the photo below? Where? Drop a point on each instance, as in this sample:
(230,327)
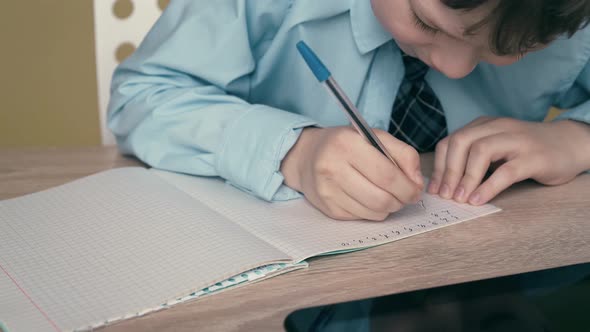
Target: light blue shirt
(217,88)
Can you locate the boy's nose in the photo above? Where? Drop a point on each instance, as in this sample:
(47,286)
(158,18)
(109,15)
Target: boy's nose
(454,65)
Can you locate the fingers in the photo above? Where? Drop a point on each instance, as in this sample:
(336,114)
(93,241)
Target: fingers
(324,198)
(440,157)
(457,148)
(370,196)
(477,165)
(337,204)
(454,164)
(347,178)
(406,157)
(506,175)
(460,145)
(353,207)
(383,174)
(349,195)
(331,210)
(481,154)
(503,146)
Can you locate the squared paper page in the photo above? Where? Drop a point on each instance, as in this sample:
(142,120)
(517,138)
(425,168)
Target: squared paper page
(18,310)
(302,231)
(118,244)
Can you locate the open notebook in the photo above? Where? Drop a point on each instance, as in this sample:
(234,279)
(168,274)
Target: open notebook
(129,241)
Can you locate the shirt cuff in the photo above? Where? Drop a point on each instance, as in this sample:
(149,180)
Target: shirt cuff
(254,146)
(579,113)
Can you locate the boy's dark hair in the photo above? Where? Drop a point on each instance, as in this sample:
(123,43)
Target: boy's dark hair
(520,25)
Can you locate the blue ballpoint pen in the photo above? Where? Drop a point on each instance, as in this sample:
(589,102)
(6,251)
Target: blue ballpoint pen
(325,77)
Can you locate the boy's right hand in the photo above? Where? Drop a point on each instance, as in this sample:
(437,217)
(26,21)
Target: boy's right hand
(346,178)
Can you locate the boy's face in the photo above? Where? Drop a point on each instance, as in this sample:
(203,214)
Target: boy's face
(435,33)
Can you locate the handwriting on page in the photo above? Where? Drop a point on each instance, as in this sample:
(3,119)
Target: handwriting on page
(429,219)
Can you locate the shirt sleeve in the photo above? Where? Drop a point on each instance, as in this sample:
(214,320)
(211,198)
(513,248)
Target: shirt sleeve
(576,101)
(180,101)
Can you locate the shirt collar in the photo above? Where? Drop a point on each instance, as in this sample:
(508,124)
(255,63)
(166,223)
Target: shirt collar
(367,31)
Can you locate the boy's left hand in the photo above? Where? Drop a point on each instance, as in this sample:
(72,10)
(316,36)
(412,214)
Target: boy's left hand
(551,153)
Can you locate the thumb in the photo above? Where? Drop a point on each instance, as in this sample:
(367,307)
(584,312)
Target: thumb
(405,156)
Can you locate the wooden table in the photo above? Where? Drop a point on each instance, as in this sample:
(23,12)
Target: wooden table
(539,228)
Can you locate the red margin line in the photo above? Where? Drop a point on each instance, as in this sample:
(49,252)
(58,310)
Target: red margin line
(31,300)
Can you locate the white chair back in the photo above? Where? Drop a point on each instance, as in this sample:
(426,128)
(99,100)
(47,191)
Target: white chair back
(119,26)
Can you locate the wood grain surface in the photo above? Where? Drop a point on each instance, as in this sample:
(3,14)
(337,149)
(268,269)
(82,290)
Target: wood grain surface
(539,228)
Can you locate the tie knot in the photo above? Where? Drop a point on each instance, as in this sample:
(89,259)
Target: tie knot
(415,69)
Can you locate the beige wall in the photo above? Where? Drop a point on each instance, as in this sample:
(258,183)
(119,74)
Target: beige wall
(47,74)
